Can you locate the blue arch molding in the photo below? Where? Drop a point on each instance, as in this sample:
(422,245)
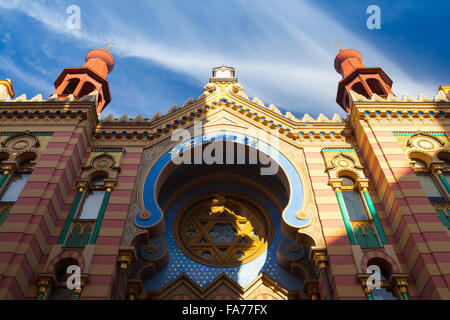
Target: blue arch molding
(149,191)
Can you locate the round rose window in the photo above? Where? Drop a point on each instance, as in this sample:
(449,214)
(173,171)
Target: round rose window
(223,230)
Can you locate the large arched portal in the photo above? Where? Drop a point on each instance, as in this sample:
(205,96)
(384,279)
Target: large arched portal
(223,216)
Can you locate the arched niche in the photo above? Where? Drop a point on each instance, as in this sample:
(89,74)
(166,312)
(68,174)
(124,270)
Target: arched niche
(151,216)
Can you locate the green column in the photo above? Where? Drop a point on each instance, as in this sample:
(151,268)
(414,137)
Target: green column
(444,182)
(100,217)
(40,296)
(405,295)
(3,178)
(369,295)
(43,285)
(345,216)
(70,217)
(375,218)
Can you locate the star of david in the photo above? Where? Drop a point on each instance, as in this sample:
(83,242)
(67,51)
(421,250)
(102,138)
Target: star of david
(219,234)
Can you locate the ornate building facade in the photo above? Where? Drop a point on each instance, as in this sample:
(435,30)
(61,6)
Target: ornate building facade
(116,200)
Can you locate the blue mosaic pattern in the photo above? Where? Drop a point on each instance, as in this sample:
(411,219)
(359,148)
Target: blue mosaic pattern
(244,274)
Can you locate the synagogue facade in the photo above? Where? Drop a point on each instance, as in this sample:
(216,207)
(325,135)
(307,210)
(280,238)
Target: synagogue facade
(224,197)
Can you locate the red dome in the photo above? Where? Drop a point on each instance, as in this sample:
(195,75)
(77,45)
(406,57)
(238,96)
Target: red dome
(345,54)
(104,55)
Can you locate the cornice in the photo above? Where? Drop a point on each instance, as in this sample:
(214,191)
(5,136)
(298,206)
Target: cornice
(227,96)
(265,119)
(395,108)
(45,111)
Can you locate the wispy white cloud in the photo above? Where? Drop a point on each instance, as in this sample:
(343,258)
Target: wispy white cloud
(282,54)
(10,69)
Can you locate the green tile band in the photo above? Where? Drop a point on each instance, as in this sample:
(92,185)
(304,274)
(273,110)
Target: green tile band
(369,296)
(410,133)
(70,217)
(345,216)
(39,134)
(40,296)
(375,218)
(3,216)
(445,219)
(339,150)
(3,179)
(443,180)
(107,150)
(76,296)
(100,217)
(405,295)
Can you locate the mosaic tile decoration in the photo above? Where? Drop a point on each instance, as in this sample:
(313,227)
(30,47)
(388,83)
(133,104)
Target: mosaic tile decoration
(244,274)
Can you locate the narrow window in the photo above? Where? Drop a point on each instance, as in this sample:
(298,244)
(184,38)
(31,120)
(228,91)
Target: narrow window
(92,204)
(354,205)
(17,182)
(427,181)
(15,186)
(429,186)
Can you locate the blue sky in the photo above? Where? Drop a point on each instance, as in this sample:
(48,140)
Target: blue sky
(282,50)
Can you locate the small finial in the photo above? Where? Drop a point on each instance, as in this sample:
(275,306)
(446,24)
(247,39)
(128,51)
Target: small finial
(338,44)
(109,44)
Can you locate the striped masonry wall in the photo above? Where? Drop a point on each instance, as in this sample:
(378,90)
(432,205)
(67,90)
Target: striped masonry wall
(410,220)
(36,219)
(341,265)
(104,263)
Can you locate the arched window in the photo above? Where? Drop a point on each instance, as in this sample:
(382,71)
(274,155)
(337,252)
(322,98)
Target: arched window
(385,292)
(359,89)
(60,290)
(86,89)
(17,182)
(427,181)
(359,222)
(71,86)
(86,215)
(376,86)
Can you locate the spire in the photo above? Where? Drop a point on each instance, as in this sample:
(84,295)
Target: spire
(90,77)
(358,78)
